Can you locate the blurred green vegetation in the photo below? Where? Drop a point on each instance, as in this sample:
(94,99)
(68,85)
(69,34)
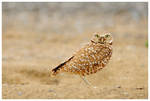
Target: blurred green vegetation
(146,43)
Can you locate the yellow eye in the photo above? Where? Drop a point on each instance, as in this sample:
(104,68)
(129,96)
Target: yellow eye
(107,36)
(96,35)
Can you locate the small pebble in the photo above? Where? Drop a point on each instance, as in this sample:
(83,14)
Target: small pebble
(142,66)
(4,58)
(125,93)
(118,86)
(5,84)
(141,95)
(50,90)
(139,88)
(19,93)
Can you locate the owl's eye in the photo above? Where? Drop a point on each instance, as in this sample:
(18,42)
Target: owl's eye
(96,35)
(107,36)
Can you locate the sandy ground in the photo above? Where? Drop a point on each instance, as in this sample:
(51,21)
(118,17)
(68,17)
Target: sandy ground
(28,57)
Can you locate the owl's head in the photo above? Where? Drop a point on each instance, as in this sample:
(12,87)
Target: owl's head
(102,38)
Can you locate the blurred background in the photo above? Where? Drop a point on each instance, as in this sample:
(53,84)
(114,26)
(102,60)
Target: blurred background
(37,37)
(76,18)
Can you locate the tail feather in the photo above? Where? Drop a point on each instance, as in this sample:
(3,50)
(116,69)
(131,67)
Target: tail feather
(56,69)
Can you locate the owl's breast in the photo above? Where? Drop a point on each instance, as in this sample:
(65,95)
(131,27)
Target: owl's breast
(95,57)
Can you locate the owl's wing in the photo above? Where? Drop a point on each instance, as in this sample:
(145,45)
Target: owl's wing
(62,64)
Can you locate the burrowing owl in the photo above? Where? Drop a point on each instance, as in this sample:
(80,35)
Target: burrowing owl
(91,58)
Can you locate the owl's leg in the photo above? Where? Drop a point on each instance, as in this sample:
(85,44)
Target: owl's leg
(90,86)
(87,82)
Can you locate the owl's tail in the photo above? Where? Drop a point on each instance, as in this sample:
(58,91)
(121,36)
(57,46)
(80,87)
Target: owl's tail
(56,70)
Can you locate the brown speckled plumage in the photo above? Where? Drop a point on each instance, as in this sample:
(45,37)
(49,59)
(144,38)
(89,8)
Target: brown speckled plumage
(91,58)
